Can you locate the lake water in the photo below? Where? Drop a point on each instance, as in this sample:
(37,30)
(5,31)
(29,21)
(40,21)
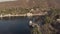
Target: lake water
(16,25)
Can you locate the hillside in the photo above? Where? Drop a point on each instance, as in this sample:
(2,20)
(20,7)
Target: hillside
(54,3)
(31,3)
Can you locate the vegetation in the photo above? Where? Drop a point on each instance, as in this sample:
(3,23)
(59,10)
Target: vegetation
(52,13)
(14,11)
(50,18)
(35,30)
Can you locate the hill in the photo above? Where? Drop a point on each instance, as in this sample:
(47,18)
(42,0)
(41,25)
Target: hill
(31,3)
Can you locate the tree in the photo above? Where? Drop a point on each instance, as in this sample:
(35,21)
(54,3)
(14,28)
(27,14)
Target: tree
(35,31)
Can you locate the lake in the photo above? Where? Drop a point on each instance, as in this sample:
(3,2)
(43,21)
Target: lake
(14,25)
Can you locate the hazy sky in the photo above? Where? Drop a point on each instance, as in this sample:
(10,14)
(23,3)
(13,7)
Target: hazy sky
(6,0)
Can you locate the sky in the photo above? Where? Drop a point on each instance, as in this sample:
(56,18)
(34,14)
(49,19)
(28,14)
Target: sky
(6,0)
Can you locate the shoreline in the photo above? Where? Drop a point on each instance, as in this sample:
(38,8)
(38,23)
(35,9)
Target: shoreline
(9,15)
(28,15)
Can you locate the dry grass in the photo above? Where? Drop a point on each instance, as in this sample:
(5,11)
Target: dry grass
(31,3)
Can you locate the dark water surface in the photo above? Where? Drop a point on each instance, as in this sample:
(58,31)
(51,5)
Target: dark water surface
(16,25)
